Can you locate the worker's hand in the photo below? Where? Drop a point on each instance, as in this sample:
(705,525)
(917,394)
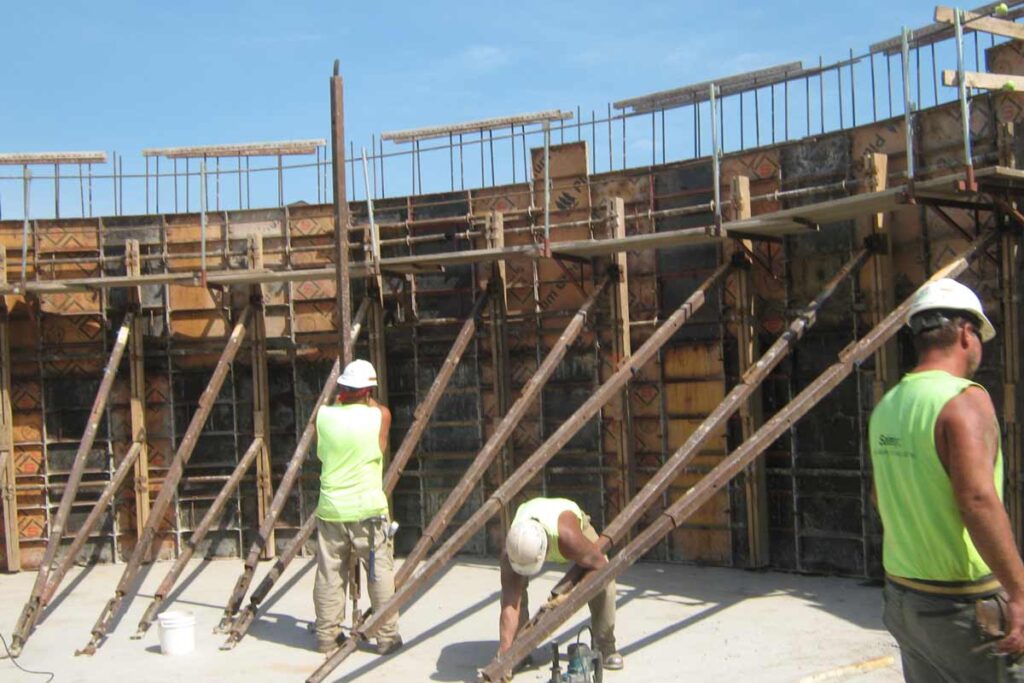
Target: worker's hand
(1013,642)
(554,600)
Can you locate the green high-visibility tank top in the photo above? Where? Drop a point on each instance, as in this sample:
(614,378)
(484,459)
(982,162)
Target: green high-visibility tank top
(924,537)
(351,473)
(546,511)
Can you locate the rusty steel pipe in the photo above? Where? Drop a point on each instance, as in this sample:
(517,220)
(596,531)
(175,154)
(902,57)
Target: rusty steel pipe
(29,617)
(526,471)
(170,485)
(695,497)
(753,378)
(423,413)
(240,626)
(291,475)
(485,458)
(425,410)
(209,519)
(92,425)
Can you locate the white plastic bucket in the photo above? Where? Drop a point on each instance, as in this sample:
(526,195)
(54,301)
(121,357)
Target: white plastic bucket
(177,632)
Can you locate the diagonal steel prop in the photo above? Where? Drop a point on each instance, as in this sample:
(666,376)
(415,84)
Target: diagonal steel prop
(188,550)
(291,475)
(170,484)
(748,384)
(550,618)
(30,613)
(409,443)
(529,469)
(502,433)
(28,619)
(677,463)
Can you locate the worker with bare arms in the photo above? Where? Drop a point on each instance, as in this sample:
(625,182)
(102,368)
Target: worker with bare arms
(553,529)
(954,590)
(352,512)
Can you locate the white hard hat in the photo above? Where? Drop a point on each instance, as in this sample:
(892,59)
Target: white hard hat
(358,374)
(949,295)
(526,547)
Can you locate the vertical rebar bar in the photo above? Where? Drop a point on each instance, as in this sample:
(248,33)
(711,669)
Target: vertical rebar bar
(202,218)
(715,170)
(547,184)
(821,93)
(26,193)
(512,142)
(853,92)
(965,110)
(907,104)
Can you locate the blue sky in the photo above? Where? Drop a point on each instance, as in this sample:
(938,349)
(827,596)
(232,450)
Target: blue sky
(128,75)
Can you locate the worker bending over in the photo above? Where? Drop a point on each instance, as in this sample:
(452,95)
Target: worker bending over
(352,513)
(553,529)
(954,589)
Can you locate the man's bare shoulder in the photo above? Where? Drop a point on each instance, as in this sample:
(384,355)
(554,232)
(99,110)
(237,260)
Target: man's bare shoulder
(967,410)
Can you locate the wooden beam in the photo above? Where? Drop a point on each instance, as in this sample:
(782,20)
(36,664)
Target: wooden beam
(879,281)
(621,350)
(501,363)
(8,490)
(261,395)
(979,22)
(137,381)
(984,81)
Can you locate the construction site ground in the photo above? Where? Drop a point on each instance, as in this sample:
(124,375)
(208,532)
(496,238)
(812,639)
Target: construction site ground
(674,623)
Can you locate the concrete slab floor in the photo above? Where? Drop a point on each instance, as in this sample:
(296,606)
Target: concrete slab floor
(674,623)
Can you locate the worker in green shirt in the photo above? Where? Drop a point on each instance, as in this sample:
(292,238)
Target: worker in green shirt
(556,530)
(954,590)
(352,512)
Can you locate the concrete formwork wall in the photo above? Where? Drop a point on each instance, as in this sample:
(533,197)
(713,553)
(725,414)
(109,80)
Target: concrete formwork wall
(819,517)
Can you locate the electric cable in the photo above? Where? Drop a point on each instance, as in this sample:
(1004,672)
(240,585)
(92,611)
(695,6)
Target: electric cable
(14,660)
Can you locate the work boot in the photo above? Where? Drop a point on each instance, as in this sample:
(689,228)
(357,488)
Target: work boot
(328,646)
(386,647)
(612,662)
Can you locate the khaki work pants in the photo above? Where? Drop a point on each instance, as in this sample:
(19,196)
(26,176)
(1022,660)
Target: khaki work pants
(336,541)
(602,607)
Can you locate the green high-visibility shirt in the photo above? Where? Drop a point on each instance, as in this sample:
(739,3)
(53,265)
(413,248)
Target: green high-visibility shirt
(351,473)
(925,537)
(547,511)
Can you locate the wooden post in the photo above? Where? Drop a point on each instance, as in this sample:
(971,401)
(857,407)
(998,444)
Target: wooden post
(755,487)
(341,216)
(12,547)
(137,380)
(500,360)
(261,394)
(621,350)
(882,285)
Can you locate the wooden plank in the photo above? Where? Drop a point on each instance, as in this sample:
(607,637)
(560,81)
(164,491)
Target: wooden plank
(137,381)
(984,81)
(618,412)
(12,545)
(261,395)
(980,22)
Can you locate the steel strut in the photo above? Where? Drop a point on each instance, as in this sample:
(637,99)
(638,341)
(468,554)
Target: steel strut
(35,604)
(530,468)
(168,488)
(188,550)
(291,475)
(410,441)
(551,617)
(502,433)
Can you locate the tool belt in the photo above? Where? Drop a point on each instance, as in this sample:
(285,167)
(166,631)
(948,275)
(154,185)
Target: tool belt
(966,590)
(991,616)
